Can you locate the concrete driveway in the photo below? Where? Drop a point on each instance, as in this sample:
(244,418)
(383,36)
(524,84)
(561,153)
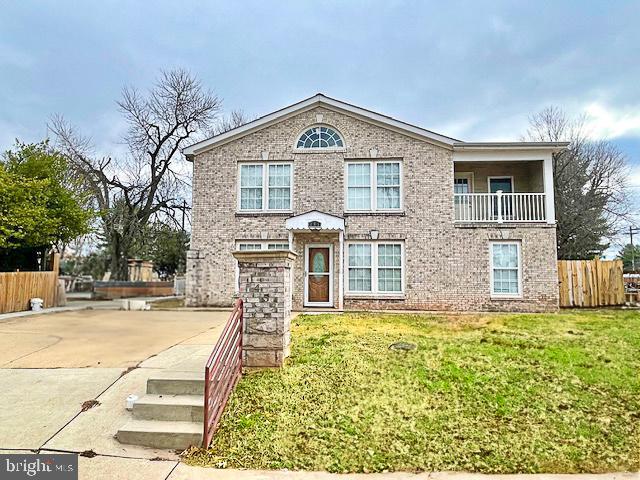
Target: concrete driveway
(97,338)
(51,364)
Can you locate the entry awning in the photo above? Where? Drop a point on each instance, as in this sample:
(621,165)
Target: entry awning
(315,220)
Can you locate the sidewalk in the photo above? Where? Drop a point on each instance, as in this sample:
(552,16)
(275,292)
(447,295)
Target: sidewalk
(78,304)
(115,468)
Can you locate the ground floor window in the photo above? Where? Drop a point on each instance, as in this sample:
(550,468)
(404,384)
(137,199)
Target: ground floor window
(263,245)
(505,269)
(374,267)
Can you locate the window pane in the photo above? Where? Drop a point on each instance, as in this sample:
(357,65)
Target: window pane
(505,255)
(251,176)
(251,198)
(279,198)
(278,246)
(359,174)
(389,255)
(461,185)
(359,198)
(360,279)
(279,175)
(388,197)
(360,255)
(251,187)
(250,246)
(388,174)
(359,186)
(389,279)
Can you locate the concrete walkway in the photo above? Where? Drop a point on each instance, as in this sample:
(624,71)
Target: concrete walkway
(55,363)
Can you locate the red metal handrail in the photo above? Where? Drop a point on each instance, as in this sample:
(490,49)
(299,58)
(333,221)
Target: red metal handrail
(222,372)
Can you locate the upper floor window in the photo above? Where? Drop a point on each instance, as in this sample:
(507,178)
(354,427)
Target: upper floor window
(320,137)
(265,186)
(373,186)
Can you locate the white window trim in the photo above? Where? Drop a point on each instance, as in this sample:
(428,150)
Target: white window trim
(373,186)
(306,302)
(374,269)
(265,188)
(499,295)
(296,149)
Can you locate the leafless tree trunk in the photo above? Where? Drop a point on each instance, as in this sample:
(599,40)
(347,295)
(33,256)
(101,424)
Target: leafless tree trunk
(150,182)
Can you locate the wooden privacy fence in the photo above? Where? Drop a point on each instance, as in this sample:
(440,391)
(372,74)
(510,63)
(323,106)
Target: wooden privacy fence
(17,288)
(590,283)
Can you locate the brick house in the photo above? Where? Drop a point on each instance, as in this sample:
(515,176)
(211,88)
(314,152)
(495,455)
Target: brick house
(381,214)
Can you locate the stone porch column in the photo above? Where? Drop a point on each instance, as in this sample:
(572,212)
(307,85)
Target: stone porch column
(265,288)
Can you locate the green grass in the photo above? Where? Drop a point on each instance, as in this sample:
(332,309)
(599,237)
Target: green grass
(483,393)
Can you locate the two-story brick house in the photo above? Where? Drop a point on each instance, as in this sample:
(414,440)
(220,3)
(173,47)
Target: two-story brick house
(382,214)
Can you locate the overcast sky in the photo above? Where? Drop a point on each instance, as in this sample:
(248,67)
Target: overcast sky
(471,70)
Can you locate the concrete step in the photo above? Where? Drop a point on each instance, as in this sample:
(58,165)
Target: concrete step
(176,383)
(165,435)
(181,408)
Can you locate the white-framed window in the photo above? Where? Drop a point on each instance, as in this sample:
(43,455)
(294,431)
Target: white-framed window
(373,186)
(319,137)
(506,269)
(375,267)
(262,245)
(249,246)
(265,186)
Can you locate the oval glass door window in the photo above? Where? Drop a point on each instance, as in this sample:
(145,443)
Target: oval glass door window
(319,263)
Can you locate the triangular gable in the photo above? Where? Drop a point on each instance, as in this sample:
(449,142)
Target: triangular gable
(313,102)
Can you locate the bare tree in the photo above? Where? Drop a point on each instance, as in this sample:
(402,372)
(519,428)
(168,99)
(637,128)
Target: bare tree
(235,119)
(150,182)
(589,181)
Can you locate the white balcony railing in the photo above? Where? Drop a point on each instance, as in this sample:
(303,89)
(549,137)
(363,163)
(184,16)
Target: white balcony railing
(500,207)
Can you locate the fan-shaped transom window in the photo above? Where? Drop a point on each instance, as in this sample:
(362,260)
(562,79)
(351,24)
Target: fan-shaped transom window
(320,137)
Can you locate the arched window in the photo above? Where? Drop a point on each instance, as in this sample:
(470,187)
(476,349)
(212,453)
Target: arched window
(320,137)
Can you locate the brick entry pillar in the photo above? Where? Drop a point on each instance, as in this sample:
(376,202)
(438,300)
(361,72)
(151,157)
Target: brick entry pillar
(265,288)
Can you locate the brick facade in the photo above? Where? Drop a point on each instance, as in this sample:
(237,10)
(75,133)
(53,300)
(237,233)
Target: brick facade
(446,265)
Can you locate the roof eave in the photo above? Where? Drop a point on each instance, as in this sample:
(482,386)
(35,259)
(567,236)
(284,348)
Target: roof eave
(484,146)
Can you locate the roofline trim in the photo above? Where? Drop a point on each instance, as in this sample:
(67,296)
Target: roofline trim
(318,99)
(479,146)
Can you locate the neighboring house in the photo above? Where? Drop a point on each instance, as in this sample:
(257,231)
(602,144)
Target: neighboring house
(382,214)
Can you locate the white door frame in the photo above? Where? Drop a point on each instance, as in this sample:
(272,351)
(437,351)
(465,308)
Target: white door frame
(307,303)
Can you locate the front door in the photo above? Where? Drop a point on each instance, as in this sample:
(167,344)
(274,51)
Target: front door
(318,268)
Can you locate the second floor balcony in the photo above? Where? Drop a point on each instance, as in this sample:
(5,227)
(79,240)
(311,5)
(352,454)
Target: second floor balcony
(503,191)
(500,207)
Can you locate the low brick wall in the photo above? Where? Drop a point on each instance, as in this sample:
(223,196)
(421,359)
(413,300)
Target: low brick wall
(116,289)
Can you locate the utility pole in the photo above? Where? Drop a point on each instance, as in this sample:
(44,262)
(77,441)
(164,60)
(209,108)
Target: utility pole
(184,209)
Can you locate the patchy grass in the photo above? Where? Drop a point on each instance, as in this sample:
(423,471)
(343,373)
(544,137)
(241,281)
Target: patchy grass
(167,303)
(483,393)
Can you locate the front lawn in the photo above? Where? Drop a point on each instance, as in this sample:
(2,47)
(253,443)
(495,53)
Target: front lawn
(484,393)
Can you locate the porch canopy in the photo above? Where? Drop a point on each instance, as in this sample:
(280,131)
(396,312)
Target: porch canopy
(317,221)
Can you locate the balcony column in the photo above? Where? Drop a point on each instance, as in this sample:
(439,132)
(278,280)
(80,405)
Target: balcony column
(549,199)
